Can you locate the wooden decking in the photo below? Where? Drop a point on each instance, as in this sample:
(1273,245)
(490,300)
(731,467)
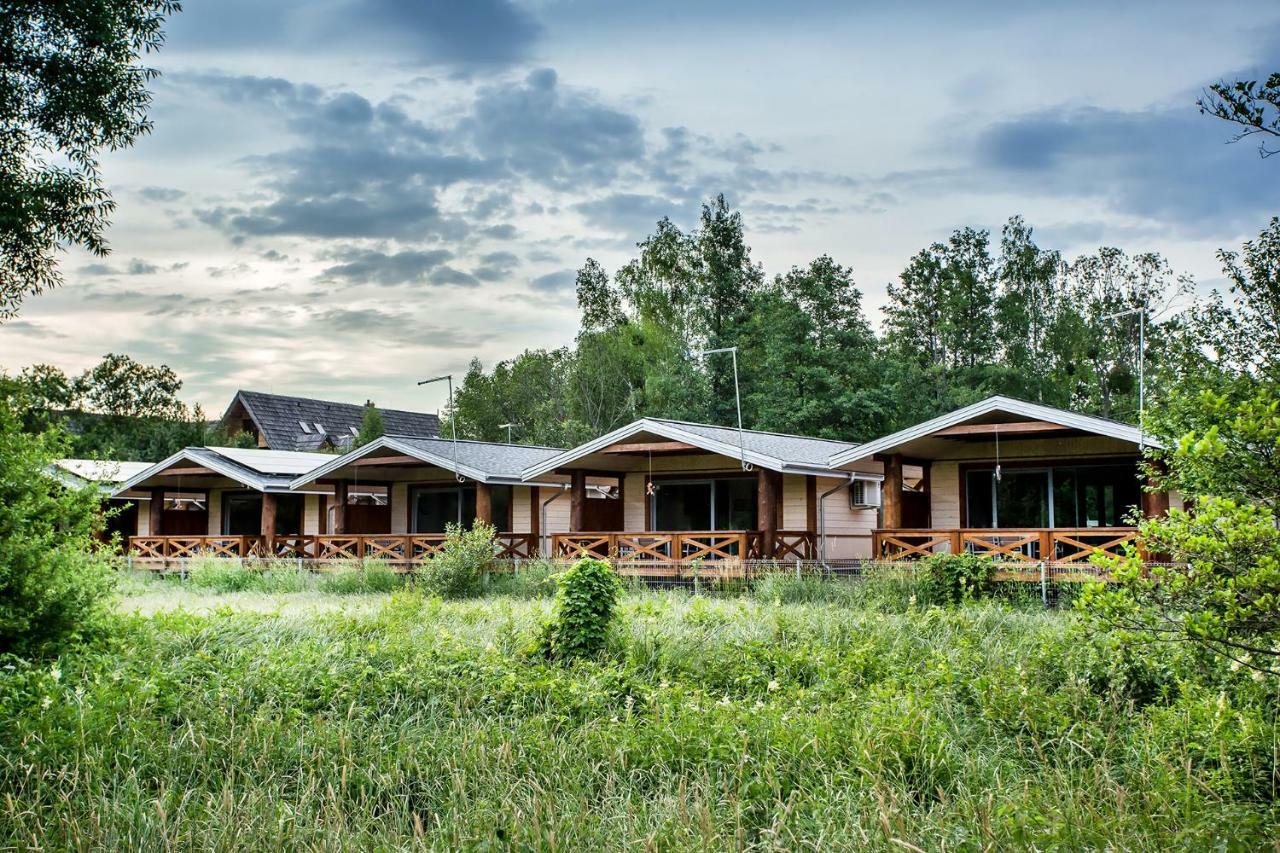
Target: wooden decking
(1029,545)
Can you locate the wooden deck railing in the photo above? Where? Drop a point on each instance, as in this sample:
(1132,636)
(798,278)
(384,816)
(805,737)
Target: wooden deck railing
(1017,545)
(394,547)
(684,546)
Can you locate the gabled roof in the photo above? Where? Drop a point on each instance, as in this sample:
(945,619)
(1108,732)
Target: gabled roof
(484,461)
(77,473)
(263,470)
(281,418)
(990,406)
(776,451)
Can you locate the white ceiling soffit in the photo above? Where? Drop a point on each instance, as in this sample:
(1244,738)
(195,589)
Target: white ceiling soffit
(1007,405)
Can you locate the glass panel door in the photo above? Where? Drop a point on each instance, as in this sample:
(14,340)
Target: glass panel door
(241,514)
(682,506)
(435,508)
(1022,499)
(736,505)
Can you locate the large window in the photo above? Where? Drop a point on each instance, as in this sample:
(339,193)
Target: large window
(723,504)
(434,507)
(1057,496)
(242,514)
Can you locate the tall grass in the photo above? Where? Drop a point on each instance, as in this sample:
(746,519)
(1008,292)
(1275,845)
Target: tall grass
(762,722)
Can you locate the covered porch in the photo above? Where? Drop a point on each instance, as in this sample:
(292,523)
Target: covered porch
(684,493)
(1014,481)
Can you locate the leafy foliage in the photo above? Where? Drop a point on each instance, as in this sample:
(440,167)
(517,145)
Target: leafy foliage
(54,575)
(459,568)
(966,319)
(1221,591)
(71,85)
(957,578)
(371,427)
(711,724)
(1253,106)
(586,596)
(119,409)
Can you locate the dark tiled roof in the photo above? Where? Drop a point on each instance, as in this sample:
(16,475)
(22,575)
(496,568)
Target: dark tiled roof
(494,459)
(793,449)
(279,418)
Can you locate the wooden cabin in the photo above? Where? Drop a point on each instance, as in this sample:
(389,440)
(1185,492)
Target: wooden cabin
(224,500)
(689,491)
(432,483)
(1014,480)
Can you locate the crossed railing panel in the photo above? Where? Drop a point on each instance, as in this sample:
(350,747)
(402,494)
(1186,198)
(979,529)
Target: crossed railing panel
(1020,545)
(391,547)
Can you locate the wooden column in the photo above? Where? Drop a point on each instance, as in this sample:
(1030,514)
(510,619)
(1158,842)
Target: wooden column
(268,526)
(1154,504)
(484,503)
(535,518)
(155,512)
(892,499)
(577,501)
(767,511)
(340,507)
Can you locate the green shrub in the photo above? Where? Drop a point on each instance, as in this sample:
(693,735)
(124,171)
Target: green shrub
(458,570)
(956,578)
(585,600)
(360,577)
(54,576)
(222,574)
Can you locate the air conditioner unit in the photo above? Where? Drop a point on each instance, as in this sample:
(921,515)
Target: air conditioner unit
(864,494)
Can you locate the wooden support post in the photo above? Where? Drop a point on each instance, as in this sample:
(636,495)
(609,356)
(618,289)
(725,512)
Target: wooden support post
(892,499)
(1154,504)
(577,500)
(340,507)
(810,504)
(767,511)
(535,519)
(155,513)
(484,503)
(268,527)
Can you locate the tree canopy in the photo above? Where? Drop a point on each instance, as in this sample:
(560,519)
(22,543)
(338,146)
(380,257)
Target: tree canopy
(968,317)
(71,85)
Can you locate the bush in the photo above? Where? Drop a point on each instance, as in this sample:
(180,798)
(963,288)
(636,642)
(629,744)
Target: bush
(585,600)
(356,578)
(458,570)
(54,575)
(956,578)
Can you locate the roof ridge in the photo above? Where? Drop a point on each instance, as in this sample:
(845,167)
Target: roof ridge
(446,438)
(333,402)
(756,431)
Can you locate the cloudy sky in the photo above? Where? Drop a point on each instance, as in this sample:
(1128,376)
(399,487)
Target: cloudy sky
(343,196)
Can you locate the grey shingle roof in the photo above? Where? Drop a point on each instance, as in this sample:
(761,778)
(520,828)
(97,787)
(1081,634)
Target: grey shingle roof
(776,451)
(264,470)
(791,449)
(489,462)
(278,417)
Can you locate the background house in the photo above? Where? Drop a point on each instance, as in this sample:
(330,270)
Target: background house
(277,422)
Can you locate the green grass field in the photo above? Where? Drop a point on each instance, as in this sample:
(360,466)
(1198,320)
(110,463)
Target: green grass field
(801,717)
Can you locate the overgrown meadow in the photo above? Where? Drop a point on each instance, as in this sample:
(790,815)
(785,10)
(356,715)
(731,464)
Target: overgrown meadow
(803,714)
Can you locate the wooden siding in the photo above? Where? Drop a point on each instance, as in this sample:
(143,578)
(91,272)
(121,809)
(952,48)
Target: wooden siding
(215,511)
(848,530)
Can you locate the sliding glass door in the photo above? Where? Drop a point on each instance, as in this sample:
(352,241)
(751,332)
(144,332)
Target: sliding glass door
(720,504)
(1057,496)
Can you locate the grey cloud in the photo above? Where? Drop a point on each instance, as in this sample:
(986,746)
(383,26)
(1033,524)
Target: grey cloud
(554,282)
(634,213)
(387,324)
(137,266)
(161,193)
(449,275)
(1165,164)
(496,266)
(468,36)
(553,134)
(366,265)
